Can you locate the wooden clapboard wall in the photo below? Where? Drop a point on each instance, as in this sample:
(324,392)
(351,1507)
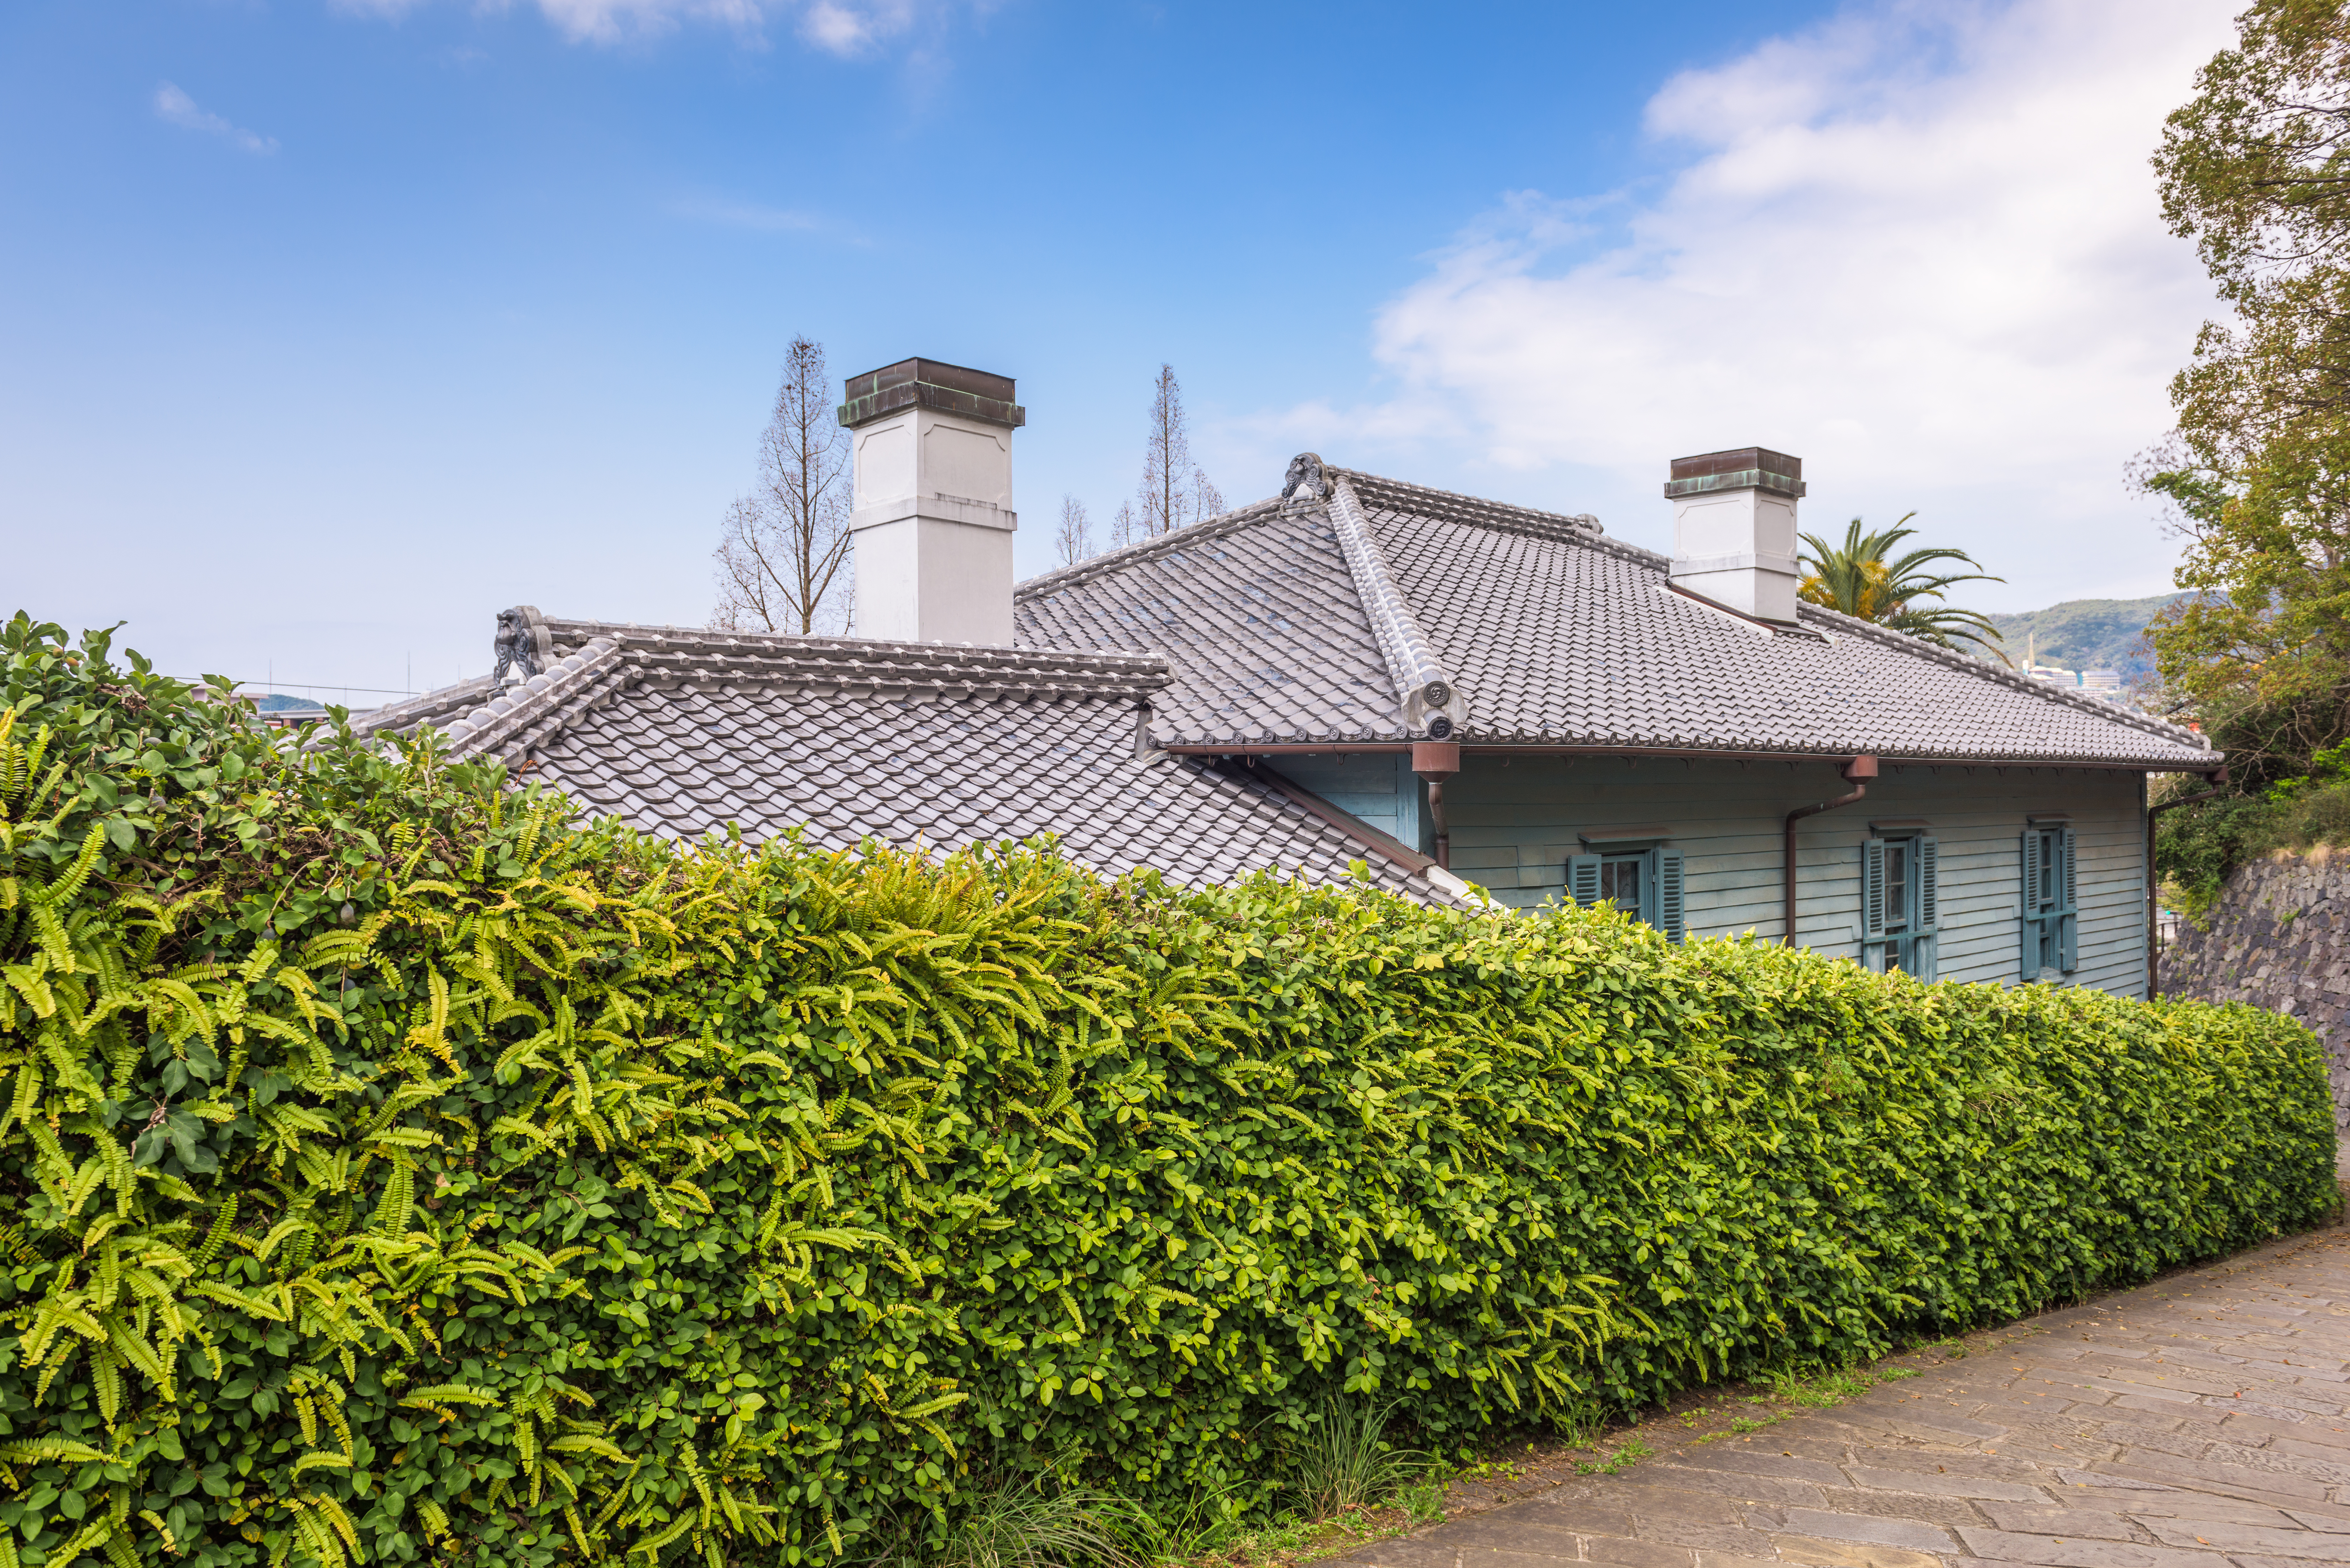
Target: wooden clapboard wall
(1513,826)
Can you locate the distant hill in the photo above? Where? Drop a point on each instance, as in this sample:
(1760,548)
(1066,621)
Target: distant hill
(2087,634)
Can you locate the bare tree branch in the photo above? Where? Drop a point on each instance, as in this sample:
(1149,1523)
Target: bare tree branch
(1174,491)
(1207,500)
(748,585)
(1075,540)
(783,551)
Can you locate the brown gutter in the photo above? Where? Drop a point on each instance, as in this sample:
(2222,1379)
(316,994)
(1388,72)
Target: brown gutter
(2153,893)
(1436,761)
(1859,770)
(1662,753)
(1286,748)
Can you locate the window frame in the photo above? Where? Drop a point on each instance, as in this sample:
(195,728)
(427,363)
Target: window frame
(1641,863)
(1663,880)
(2050,926)
(1907,939)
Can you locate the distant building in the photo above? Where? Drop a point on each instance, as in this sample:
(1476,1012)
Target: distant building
(280,712)
(2053,676)
(2101,680)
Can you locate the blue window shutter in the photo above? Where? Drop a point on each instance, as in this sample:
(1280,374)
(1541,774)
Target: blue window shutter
(1669,893)
(1872,888)
(1923,957)
(1583,879)
(2029,966)
(1930,857)
(2068,942)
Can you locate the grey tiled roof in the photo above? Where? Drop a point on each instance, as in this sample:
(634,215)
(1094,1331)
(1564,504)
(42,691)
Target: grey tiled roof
(1255,613)
(681,732)
(1553,635)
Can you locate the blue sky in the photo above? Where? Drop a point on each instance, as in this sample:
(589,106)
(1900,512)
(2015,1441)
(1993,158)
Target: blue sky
(326,330)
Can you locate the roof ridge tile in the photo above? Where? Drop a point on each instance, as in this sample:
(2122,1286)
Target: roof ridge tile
(770,656)
(505,716)
(1148,549)
(1450,506)
(1425,689)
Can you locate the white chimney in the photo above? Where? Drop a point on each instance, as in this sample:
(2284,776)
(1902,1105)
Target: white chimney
(1734,529)
(932,520)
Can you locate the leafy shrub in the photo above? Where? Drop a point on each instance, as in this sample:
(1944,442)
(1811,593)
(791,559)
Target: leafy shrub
(389,1168)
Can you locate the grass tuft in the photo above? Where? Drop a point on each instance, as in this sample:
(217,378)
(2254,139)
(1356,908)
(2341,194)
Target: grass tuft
(1629,1452)
(1345,1461)
(1026,1524)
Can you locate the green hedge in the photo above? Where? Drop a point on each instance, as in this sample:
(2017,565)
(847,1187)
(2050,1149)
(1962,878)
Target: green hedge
(391,1170)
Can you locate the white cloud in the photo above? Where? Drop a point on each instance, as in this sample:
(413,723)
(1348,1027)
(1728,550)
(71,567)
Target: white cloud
(838,27)
(1919,246)
(176,108)
(612,21)
(851,26)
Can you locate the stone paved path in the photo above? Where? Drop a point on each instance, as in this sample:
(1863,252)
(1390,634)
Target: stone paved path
(2201,1422)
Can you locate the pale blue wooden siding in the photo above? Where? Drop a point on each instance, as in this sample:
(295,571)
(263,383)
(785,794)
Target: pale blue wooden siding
(1378,786)
(1514,824)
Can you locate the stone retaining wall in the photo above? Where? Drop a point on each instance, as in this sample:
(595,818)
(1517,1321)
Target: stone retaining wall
(2279,936)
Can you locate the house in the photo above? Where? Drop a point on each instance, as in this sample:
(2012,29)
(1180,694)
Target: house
(1365,678)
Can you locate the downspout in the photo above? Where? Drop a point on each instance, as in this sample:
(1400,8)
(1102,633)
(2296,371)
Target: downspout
(2153,907)
(1434,762)
(1860,770)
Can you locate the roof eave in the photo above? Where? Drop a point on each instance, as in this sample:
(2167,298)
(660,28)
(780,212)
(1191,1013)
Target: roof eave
(2210,762)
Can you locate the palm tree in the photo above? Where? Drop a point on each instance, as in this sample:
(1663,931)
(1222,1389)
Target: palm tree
(1859,579)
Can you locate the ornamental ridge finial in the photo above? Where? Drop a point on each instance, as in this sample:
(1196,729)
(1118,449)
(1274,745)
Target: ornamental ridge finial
(518,646)
(1304,485)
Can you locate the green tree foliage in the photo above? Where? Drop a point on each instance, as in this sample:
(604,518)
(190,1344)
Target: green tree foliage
(391,1168)
(2198,844)
(2253,170)
(1864,579)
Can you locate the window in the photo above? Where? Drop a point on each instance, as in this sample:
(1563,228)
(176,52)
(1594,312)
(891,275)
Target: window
(2051,919)
(1645,884)
(1900,898)
(1624,882)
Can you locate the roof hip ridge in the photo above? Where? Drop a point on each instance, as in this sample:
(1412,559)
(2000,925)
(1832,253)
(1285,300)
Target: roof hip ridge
(452,700)
(1432,698)
(520,707)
